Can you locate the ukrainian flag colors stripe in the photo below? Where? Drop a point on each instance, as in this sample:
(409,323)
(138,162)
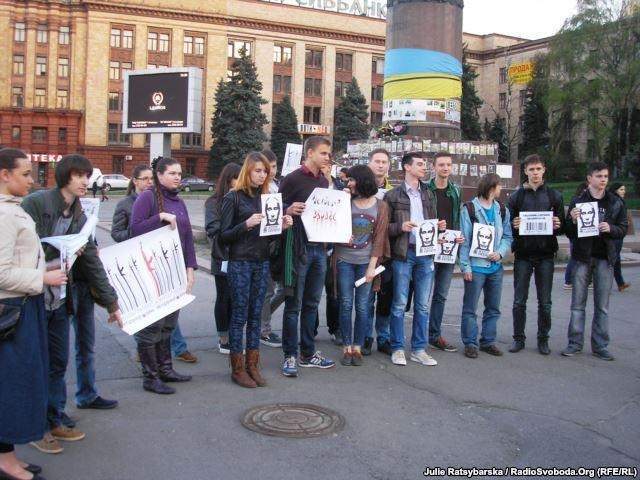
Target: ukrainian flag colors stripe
(401,61)
(426,86)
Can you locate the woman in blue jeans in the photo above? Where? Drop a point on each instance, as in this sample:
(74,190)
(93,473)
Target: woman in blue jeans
(358,259)
(248,267)
(483,273)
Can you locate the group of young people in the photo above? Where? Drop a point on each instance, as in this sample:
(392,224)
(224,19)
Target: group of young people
(255,274)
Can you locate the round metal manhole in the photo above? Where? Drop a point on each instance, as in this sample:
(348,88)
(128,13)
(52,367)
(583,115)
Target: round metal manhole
(293,420)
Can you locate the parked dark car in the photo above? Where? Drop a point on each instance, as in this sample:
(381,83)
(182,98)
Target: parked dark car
(192,184)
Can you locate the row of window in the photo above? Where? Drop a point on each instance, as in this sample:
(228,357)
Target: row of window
(40,98)
(502,99)
(42,33)
(156,42)
(38,134)
(41,66)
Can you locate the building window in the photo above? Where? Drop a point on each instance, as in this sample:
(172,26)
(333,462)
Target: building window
(117,164)
(199,46)
(313,58)
(192,166)
(344,61)
(234,47)
(17,97)
(277,54)
(377,93)
(62,99)
(127,39)
(503,75)
(312,115)
(42,34)
(502,100)
(41,66)
(163,42)
(277,83)
(376,118)
(39,135)
(62,135)
(63,35)
(317,87)
(114,70)
(16,133)
(187,46)
(286,84)
(523,98)
(191,140)
(63,67)
(152,41)
(377,66)
(126,66)
(41,98)
(115,135)
(341,89)
(18,64)
(114,102)
(114,39)
(20,34)
(282,54)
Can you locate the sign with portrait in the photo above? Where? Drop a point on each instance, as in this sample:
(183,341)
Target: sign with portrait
(427,238)
(588,220)
(271,223)
(447,247)
(483,240)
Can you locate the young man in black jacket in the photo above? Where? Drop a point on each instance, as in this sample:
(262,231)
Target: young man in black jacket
(534,253)
(595,257)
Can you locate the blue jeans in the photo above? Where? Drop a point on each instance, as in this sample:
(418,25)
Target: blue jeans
(304,302)
(441,283)
(248,282)
(348,273)
(85,332)
(420,270)
(178,343)
(542,270)
(491,285)
(602,275)
(58,339)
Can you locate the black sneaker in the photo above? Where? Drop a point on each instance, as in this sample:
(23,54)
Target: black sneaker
(366,348)
(543,346)
(491,350)
(317,360)
(385,347)
(100,404)
(517,346)
(224,348)
(442,344)
(603,355)
(470,351)
(271,340)
(570,351)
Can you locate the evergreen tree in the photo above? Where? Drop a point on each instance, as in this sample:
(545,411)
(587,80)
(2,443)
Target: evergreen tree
(471,102)
(238,120)
(498,134)
(284,129)
(535,130)
(351,116)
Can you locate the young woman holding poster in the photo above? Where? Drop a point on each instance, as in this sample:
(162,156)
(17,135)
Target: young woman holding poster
(213,205)
(368,248)
(248,267)
(23,327)
(153,209)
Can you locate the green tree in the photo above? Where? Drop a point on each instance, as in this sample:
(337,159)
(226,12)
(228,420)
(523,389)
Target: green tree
(498,134)
(535,129)
(238,121)
(285,128)
(471,102)
(350,119)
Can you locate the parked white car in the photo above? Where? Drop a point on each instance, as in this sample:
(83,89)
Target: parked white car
(96,177)
(115,181)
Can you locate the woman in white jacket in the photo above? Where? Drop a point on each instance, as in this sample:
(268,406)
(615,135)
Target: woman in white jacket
(23,345)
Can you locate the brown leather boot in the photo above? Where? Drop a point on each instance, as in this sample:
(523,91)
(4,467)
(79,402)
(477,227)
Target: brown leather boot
(253,361)
(238,374)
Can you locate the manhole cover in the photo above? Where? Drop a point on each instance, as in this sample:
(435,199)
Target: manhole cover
(293,420)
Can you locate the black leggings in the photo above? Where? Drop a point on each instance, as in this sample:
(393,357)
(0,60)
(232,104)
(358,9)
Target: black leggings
(222,309)
(6,448)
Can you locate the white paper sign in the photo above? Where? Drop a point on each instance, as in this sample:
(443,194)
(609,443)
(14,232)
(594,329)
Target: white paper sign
(91,208)
(536,223)
(271,223)
(447,247)
(483,241)
(505,171)
(327,216)
(427,238)
(362,280)
(381,193)
(149,275)
(588,220)
(292,157)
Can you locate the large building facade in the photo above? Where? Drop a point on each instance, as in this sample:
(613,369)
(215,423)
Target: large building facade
(61,85)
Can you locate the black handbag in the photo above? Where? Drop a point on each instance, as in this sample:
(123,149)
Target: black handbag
(9,319)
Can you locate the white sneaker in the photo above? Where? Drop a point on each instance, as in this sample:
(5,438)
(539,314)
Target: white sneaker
(397,358)
(423,357)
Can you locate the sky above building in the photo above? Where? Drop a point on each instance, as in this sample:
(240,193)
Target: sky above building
(529,19)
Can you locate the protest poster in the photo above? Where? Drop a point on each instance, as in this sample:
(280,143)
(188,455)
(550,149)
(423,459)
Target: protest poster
(463,169)
(91,208)
(292,158)
(426,238)
(447,247)
(588,220)
(536,223)
(482,243)
(473,169)
(327,216)
(271,223)
(149,275)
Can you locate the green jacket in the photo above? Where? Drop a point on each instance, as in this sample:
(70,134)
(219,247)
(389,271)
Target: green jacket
(454,192)
(46,207)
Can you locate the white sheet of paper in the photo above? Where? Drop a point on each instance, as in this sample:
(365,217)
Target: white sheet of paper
(380,194)
(505,171)
(271,223)
(68,245)
(292,157)
(224,267)
(483,241)
(361,281)
(448,251)
(536,223)
(427,238)
(588,220)
(149,275)
(327,216)
(91,208)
